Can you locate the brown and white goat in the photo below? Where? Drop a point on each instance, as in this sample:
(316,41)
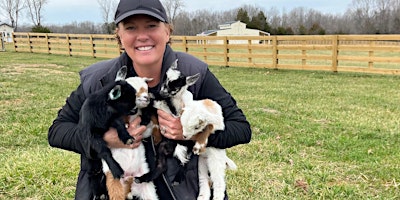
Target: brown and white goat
(199,119)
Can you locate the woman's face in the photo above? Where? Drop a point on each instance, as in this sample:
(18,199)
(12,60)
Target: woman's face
(144,39)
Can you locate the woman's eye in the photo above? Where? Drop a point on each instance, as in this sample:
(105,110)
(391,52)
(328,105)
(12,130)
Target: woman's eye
(152,25)
(130,28)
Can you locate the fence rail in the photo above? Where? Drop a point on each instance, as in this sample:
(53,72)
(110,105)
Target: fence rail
(353,53)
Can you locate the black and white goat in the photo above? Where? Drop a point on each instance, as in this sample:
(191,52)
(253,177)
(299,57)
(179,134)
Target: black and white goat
(103,109)
(169,100)
(175,96)
(133,161)
(106,108)
(199,119)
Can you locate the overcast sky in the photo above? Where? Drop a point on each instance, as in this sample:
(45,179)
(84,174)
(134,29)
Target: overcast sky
(67,11)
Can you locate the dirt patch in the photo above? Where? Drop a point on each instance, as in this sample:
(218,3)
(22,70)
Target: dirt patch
(16,69)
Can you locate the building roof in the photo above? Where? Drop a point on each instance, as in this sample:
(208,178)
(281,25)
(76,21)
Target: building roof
(207,32)
(226,26)
(1,24)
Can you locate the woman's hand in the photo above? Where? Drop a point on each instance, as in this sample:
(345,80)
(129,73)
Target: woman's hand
(170,126)
(134,129)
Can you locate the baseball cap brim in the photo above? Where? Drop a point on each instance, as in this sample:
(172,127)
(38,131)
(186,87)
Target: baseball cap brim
(137,12)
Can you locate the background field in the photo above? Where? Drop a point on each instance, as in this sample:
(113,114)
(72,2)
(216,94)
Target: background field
(316,135)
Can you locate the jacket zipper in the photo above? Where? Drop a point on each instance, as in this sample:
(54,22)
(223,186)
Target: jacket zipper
(163,175)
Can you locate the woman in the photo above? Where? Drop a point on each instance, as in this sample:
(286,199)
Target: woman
(143,31)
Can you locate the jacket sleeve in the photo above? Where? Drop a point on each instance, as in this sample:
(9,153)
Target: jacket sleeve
(237,128)
(63,133)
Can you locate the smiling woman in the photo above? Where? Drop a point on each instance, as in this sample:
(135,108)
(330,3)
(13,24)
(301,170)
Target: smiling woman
(143,30)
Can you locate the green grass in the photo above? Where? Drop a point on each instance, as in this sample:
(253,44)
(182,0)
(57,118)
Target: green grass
(316,135)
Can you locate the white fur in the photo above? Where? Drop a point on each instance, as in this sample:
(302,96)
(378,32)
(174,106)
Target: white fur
(133,161)
(195,117)
(212,165)
(179,100)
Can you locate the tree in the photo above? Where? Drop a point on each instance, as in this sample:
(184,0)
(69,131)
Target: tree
(316,29)
(259,22)
(12,9)
(243,16)
(172,7)
(35,8)
(302,30)
(363,13)
(107,8)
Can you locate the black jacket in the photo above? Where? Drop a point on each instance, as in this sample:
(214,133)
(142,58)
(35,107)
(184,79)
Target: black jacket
(63,133)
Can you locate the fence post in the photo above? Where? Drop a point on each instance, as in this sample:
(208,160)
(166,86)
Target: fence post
(371,54)
(226,51)
(203,41)
(68,45)
(275,52)
(3,48)
(30,43)
(250,51)
(47,42)
(14,42)
(304,52)
(92,45)
(335,61)
(184,40)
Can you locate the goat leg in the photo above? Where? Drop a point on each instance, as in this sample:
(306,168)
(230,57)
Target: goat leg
(166,149)
(123,134)
(103,152)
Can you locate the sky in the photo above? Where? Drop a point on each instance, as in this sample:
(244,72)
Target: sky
(66,11)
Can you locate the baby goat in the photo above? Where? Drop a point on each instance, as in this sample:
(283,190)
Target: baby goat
(133,161)
(103,109)
(200,119)
(171,99)
(174,96)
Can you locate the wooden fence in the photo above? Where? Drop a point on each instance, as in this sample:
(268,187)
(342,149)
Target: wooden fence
(353,53)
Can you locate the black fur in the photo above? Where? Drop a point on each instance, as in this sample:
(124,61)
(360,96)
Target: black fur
(101,110)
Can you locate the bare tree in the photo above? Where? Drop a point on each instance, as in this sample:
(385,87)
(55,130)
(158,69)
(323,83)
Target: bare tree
(364,14)
(172,7)
(107,8)
(11,9)
(35,8)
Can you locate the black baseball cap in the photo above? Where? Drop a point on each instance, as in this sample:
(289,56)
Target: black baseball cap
(127,8)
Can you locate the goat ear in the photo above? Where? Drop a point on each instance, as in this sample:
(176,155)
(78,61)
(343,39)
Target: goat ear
(175,65)
(121,74)
(190,80)
(201,122)
(115,93)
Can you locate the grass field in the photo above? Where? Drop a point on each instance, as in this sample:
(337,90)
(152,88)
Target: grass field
(316,135)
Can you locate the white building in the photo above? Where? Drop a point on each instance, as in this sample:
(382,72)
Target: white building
(235,28)
(6,32)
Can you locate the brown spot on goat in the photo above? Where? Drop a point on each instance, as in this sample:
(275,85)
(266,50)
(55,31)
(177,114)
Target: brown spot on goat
(116,191)
(202,137)
(156,130)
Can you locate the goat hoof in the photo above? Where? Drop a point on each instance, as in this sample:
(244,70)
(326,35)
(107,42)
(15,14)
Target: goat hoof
(130,141)
(196,151)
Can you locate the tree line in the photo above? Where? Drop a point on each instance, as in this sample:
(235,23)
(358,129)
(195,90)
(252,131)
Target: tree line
(361,17)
